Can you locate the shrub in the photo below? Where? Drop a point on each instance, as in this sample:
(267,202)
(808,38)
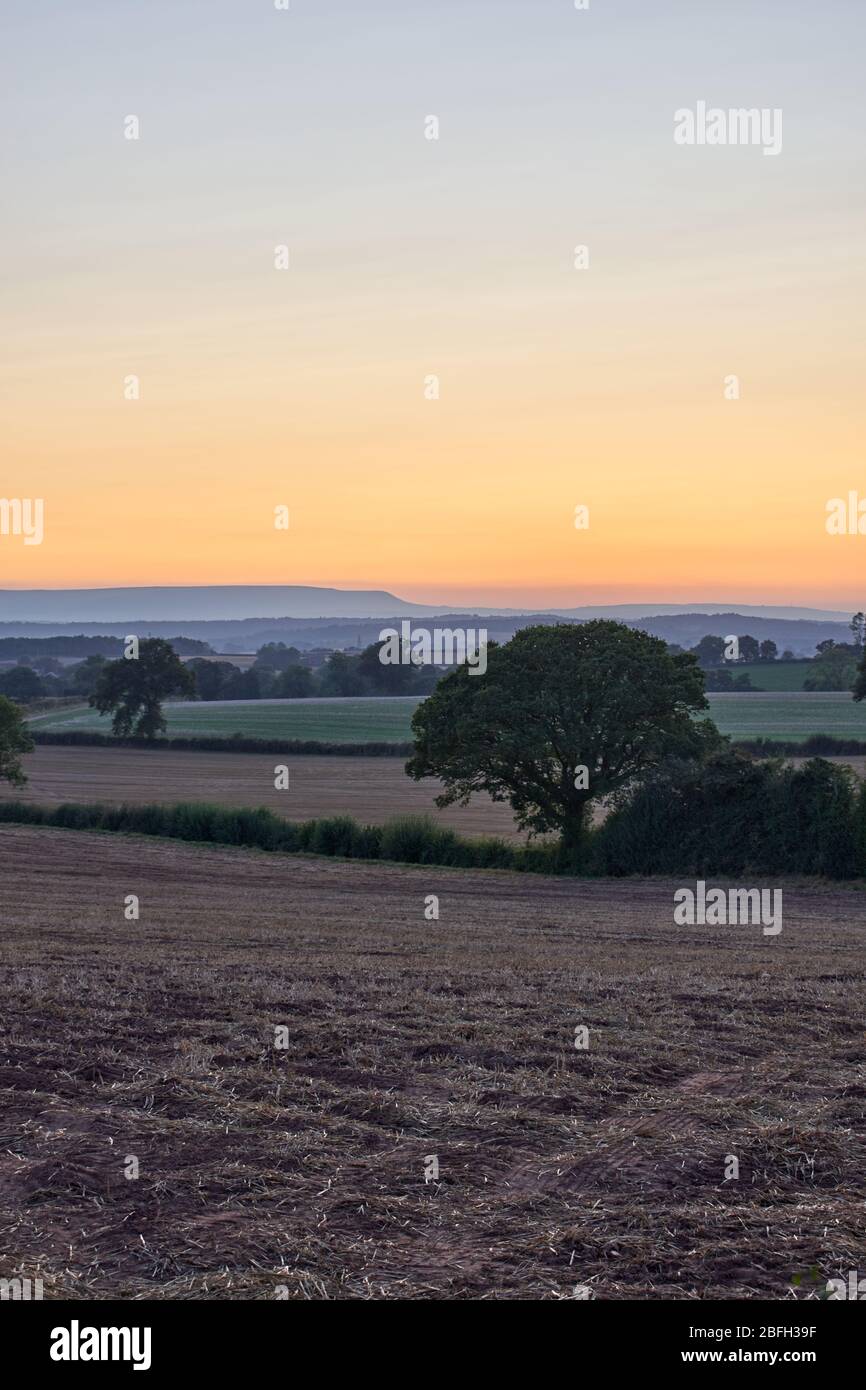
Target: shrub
(493,854)
(734,816)
(335,835)
(72,816)
(192,821)
(259,827)
(819,806)
(22,813)
(419,840)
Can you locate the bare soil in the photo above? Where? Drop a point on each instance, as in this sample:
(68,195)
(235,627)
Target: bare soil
(301,1170)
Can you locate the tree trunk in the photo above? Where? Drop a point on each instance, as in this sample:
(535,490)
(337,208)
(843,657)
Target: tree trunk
(574,837)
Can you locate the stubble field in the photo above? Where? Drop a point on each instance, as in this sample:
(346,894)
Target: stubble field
(372,790)
(300,1170)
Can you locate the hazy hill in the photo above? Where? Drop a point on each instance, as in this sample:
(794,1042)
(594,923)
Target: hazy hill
(248,634)
(198,603)
(227,602)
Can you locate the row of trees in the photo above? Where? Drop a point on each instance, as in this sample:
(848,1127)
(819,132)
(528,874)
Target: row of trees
(283,672)
(51,679)
(280,672)
(711,651)
(834,667)
(40,674)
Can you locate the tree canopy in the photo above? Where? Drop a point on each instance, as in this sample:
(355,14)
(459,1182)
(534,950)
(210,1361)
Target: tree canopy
(133,689)
(834,668)
(20,683)
(565,714)
(14,740)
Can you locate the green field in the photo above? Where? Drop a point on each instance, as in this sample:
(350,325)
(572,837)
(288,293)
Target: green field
(332,721)
(791,715)
(775,675)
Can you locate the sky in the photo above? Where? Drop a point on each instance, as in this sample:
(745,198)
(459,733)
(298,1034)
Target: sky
(433,386)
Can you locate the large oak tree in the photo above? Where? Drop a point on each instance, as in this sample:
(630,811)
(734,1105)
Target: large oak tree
(554,701)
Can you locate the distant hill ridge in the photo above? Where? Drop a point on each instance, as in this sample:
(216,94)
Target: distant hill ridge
(222,602)
(118,611)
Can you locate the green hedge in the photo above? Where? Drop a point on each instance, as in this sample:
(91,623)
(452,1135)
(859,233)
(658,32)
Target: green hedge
(815,746)
(736,816)
(407,839)
(235,743)
(731,816)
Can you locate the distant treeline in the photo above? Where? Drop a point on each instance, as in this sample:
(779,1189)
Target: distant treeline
(285,673)
(833,668)
(13,648)
(279,672)
(728,817)
(41,673)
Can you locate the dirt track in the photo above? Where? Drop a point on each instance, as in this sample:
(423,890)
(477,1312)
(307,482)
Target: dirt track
(302,1168)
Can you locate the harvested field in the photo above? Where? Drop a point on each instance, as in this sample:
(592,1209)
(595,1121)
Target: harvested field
(371,789)
(303,1168)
